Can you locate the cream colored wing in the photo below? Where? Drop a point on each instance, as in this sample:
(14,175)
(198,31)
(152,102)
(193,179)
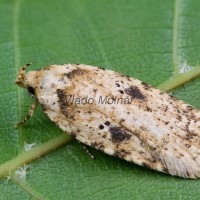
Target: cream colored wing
(125,117)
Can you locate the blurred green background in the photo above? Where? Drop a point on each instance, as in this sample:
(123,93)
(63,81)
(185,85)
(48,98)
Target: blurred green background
(146,39)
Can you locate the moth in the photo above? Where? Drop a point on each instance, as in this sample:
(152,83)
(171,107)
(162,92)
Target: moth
(118,115)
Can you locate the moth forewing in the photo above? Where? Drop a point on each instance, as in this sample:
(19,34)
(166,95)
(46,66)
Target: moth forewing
(120,116)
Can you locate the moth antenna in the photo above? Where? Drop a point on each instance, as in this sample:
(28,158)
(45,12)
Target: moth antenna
(25,66)
(21,75)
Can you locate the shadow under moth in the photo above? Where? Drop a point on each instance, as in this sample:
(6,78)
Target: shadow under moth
(118,115)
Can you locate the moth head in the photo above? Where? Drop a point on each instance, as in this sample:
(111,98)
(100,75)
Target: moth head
(21,77)
(22,80)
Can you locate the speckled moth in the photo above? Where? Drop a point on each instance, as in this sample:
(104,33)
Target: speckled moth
(118,115)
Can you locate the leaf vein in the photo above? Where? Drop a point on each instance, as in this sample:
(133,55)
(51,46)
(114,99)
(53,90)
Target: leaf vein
(175,59)
(16,14)
(26,188)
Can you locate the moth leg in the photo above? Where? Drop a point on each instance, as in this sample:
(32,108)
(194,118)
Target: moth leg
(86,150)
(30,114)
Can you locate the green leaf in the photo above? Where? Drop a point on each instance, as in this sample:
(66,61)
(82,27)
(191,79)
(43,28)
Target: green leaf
(147,39)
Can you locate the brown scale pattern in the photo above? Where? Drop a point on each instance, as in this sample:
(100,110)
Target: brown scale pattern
(155,130)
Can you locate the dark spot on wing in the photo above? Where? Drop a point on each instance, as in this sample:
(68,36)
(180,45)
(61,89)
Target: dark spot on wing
(118,135)
(190,135)
(121,153)
(125,76)
(62,100)
(188,145)
(146,165)
(189,107)
(149,109)
(62,97)
(107,123)
(135,93)
(146,86)
(98,146)
(101,68)
(73,134)
(173,97)
(121,91)
(179,118)
(75,72)
(101,126)
(165,170)
(44,107)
